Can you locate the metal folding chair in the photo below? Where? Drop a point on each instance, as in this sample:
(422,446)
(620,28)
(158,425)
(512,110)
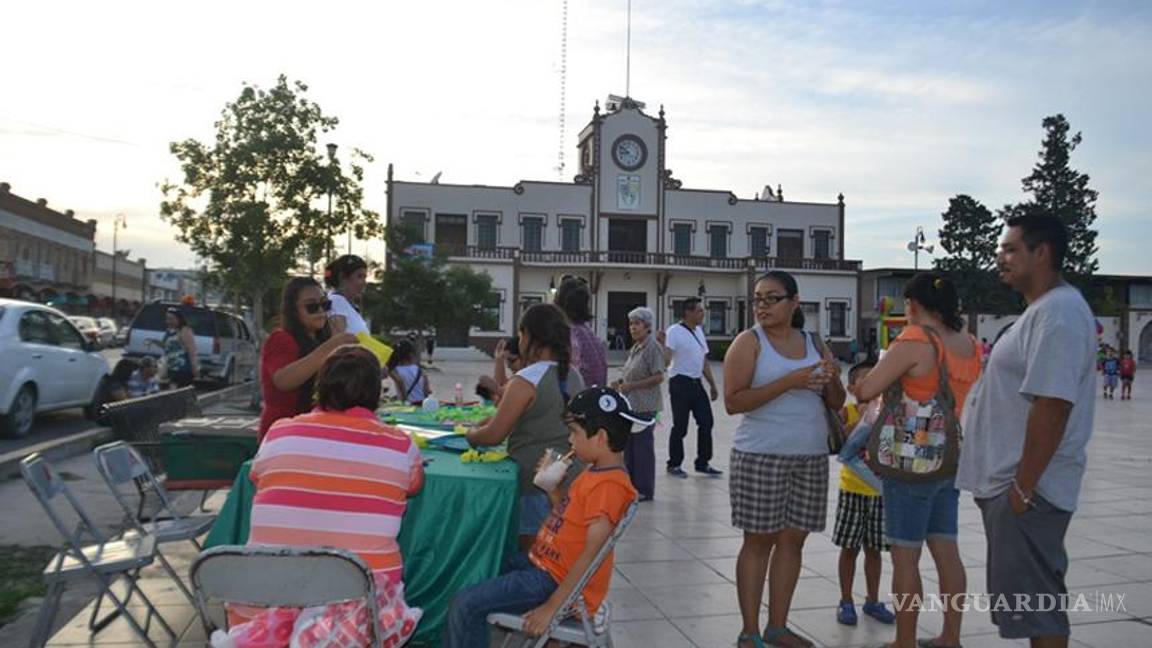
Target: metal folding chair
(580,630)
(87,552)
(283,576)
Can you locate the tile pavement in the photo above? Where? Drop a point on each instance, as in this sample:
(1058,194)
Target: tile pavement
(673,584)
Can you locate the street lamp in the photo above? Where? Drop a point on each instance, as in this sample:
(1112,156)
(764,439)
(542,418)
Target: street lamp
(917,244)
(118,223)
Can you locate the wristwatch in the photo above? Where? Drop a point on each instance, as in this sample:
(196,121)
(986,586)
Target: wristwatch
(1020,492)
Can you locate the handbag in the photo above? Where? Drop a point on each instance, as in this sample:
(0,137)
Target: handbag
(837,433)
(913,441)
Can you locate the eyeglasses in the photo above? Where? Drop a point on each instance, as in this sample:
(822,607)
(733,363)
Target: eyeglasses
(768,300)
(316,307)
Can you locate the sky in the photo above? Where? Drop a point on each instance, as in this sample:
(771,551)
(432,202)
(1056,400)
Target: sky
(899,105)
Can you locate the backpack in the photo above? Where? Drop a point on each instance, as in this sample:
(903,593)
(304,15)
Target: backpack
(916,442)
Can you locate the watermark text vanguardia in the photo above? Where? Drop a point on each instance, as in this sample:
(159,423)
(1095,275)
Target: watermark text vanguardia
(1096,601)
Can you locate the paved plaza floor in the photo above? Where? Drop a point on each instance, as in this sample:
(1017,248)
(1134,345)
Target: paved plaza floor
(675,567)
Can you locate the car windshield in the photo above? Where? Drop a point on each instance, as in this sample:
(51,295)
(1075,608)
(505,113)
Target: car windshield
(151,318)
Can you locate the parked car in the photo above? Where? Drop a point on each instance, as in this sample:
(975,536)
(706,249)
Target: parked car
(48,365)
(88,327)
(108,331)
(121,337)
(224,343)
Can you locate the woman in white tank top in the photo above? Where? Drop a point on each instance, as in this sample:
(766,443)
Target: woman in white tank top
(775,376)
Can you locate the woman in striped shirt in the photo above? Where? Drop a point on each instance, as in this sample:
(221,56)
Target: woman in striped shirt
(338,477)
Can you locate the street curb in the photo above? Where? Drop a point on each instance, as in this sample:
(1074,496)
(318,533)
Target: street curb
(83,441)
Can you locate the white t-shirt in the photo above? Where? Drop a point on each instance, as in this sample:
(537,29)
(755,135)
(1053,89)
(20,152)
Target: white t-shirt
(344,308)
(689,350)
(1049,352)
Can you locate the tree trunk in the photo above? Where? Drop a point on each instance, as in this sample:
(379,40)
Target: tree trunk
(258,312)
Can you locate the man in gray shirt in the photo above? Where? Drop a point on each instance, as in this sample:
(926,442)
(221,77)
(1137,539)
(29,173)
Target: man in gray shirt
(1026,425)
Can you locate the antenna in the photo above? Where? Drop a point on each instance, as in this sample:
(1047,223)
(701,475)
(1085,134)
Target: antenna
(628,55)
(563,81)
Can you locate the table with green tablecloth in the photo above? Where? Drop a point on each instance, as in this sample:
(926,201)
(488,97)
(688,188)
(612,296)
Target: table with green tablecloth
(456,531)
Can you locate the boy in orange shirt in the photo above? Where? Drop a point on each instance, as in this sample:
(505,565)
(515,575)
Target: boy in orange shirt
(583,516)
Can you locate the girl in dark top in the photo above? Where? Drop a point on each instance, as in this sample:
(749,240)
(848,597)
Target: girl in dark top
(293,353)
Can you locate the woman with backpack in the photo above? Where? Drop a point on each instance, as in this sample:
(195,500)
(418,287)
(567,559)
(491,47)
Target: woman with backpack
(918,511)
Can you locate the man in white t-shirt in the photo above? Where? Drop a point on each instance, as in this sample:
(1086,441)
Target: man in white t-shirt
(1027,423)
(686,348)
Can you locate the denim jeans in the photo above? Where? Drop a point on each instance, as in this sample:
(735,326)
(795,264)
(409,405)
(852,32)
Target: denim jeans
(521,588)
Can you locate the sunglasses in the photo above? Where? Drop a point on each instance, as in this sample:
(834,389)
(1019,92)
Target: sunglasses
(768,300)
(315,307)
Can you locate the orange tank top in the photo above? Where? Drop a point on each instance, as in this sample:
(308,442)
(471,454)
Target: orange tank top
(962,372)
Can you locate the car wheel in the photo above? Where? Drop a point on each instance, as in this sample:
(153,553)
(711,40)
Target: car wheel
(92,410)
(18,421)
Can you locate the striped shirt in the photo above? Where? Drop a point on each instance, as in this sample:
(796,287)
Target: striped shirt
(337,479)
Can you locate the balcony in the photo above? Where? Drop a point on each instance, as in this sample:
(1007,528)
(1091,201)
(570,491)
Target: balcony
(659,259)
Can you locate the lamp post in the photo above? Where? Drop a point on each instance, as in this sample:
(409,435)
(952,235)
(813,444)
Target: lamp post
(917,244)
(118,223)
(332,181)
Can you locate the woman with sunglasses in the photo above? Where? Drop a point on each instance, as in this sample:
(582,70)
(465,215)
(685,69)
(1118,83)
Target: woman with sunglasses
(346,278)
(294,352)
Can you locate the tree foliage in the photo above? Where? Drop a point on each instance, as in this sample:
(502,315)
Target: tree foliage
(1056,188)
(970,237)
(252,202)
(421,292)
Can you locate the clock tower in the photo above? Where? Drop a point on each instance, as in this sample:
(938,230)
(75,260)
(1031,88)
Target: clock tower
(621,155)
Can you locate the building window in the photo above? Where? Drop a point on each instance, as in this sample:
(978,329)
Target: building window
(837,319)
(811,312)
(414,221)
(486,231)
(758,242)
(790,244)
(822,244)
(570,235)
(1140,295)
(718,241)
(682,239)
(893,288)
(491,313)
(717,318)
(533,233)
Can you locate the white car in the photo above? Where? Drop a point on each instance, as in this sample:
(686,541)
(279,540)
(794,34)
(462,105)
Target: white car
(108,331)
(48,365)
(87,327)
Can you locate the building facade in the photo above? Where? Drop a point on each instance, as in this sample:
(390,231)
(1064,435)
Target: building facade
(119,284)
(170,284)
(630,228)
(45,255)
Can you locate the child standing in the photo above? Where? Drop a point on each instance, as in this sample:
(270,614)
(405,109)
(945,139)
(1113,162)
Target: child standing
(412,384)
(1111,373)
(1127,375)
(599,422)
(859,522)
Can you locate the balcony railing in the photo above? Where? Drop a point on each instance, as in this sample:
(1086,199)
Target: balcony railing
(616,258)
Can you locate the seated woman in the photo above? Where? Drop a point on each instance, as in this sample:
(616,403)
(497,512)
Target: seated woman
(337,477)
(531,412)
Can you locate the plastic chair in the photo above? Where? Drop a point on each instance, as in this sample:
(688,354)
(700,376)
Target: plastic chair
(87,552)
(283,576)
(581,630)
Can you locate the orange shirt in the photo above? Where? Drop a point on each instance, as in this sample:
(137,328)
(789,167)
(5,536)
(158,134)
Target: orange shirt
(962,372)
(594,494)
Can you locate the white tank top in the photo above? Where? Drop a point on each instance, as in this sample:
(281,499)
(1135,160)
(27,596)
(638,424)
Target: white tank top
(412,373)
(794,422)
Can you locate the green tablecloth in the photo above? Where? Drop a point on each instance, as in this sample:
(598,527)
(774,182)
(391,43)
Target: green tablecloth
(456,531)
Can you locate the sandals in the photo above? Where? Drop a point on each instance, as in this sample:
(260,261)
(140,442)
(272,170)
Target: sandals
(757,641)
(775,637)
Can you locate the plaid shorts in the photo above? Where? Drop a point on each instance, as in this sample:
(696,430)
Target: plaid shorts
(773,492)
(859,521)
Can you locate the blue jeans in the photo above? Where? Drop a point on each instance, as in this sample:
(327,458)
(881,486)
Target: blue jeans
(534,510)
(914,513)
(521,588)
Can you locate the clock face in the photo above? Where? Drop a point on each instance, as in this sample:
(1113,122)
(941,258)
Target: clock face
(629,152)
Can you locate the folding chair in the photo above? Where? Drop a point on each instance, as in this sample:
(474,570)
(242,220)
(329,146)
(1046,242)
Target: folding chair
(283,576)
(580,631)
(103,559)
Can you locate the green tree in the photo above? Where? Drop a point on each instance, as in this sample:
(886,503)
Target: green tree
(253,201)
(970,237)
(1057,188)
(420,292)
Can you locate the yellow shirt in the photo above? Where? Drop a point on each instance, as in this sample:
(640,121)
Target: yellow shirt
(849,482)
